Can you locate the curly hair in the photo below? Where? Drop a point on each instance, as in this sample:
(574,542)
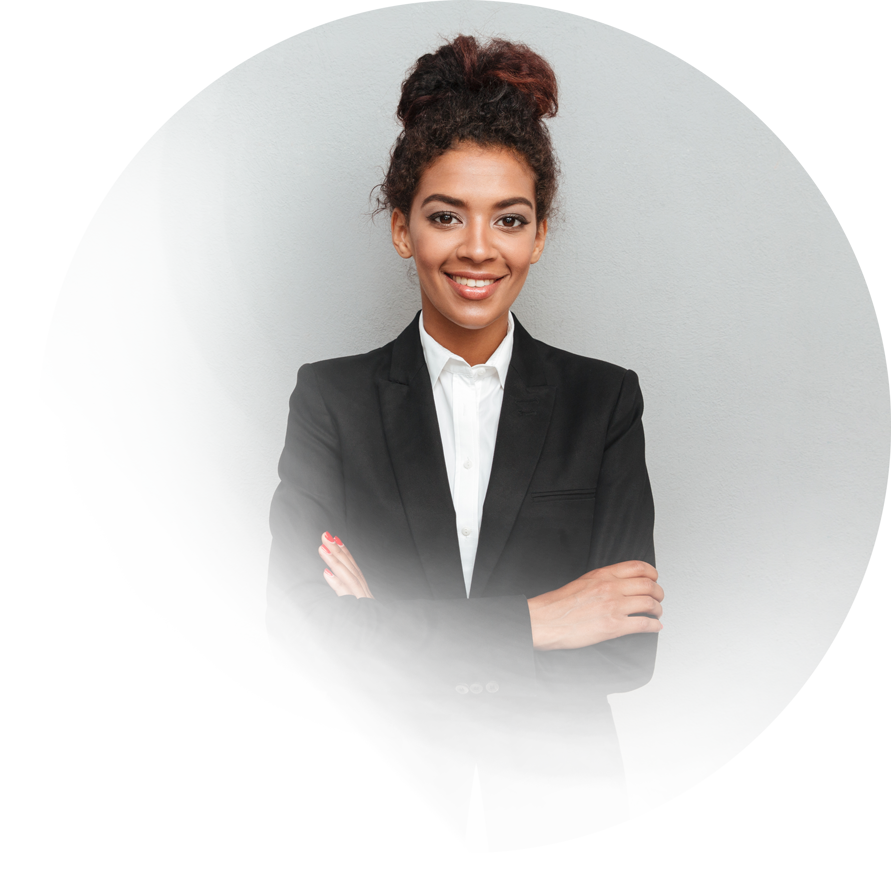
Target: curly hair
(493,94)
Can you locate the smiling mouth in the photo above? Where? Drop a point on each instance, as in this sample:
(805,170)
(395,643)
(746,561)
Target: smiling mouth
(472,282)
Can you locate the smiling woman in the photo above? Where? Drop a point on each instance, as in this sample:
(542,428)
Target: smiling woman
(500,579)
(472,246)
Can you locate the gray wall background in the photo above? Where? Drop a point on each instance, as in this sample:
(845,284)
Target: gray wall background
(691,247)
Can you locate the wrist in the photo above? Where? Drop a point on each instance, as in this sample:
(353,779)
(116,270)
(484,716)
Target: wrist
(543,637)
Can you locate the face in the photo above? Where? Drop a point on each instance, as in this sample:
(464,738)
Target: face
(473,234)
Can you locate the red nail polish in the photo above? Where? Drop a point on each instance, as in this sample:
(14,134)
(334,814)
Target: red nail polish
(329,537)
(337,540)
(325,550)
(328,572)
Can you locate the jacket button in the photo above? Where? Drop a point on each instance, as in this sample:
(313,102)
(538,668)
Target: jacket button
(462,688)
(476,688)
(492,686)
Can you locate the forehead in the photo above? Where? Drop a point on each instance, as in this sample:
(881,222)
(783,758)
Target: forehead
(477,174)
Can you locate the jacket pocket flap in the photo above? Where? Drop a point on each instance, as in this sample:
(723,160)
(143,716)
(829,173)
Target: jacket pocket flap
(576,494)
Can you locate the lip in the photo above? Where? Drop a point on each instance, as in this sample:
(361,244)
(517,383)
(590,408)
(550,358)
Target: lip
(475,294)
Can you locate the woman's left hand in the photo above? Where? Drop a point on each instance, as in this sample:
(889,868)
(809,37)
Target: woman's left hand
(342,572)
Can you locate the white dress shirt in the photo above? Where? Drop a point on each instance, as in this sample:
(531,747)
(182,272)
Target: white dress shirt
(468,404)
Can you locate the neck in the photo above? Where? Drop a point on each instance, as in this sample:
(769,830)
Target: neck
(476,346)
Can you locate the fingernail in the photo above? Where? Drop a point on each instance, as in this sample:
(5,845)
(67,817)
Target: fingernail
(337,540)
(328,572)
(329,537)
(325,550)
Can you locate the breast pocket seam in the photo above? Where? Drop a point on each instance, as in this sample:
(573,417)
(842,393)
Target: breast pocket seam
(549,495)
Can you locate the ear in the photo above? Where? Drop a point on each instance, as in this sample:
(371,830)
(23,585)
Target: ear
(540,236)
(401,235)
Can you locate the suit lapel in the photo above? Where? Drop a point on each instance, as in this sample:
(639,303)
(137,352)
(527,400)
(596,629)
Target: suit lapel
(408,413)
(525,415)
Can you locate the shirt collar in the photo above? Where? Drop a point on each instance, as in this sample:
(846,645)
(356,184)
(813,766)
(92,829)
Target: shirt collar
(437,356)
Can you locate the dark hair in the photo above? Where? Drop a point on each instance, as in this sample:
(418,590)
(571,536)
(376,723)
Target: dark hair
(492,94)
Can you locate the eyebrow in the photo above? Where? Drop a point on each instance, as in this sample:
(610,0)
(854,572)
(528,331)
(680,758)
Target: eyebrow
(457,202)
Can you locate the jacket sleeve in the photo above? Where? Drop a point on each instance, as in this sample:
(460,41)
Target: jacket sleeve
(418,644)
(622,531)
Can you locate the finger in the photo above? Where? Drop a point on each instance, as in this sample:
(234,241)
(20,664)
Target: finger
(339,550)
(347,584)
(343,565)
(347,558)
(337,584)
(635,626)
(329,543)
(628,569)
(638,625)
(342,547)
(641,586)
(338,564)
(641,604)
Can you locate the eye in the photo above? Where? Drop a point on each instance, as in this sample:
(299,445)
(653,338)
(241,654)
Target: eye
(444,219)
(513,221)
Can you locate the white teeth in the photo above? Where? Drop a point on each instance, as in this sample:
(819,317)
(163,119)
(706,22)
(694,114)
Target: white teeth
(470,282)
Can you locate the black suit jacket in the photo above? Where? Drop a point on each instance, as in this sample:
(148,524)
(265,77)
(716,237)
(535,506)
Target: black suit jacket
(568,493)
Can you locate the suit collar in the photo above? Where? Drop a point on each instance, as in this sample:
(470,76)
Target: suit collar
(415,446)
(522,427)
(408,355)
(437,356)
(408,413)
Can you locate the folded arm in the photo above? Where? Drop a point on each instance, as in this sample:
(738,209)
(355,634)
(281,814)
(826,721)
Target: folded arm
(433,644)
(604,632)
(599,629)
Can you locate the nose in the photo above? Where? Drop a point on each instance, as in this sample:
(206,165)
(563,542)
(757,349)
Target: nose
(477,245)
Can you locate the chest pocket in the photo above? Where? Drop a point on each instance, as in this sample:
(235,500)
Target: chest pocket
(563,518)
(550,496)
(551,540)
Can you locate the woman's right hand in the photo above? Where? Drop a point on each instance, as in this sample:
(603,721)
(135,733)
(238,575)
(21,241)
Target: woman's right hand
(342,572)
(620,599)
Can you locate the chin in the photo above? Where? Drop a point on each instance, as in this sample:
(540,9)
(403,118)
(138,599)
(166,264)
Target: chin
(475,321)
(476,314)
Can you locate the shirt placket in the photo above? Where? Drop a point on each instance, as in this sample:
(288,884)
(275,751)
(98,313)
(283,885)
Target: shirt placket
(466,399)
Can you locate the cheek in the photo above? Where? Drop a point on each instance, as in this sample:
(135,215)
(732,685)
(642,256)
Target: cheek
(521,247)
(520,258)
(424,253)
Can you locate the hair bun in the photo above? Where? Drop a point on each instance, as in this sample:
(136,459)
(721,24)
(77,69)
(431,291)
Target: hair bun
(463,68)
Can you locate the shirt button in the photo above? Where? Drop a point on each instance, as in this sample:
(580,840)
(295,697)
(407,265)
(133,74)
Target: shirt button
(476,688)
(492,686)
(465,531)
(468,463)
(462,688)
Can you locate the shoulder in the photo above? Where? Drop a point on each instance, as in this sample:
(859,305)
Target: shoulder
(350,367)
(584,386)
(590,391)
(350,370)
(564,368)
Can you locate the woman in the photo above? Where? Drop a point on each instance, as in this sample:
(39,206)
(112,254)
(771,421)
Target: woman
(492,488)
